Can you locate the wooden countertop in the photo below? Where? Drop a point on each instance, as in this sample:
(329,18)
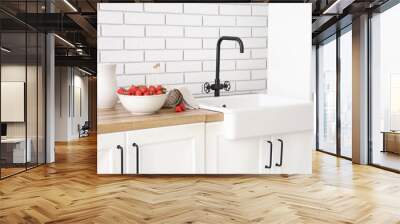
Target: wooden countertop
(118,119)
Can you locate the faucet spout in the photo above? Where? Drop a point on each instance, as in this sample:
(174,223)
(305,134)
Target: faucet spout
(217,85)
(237,39)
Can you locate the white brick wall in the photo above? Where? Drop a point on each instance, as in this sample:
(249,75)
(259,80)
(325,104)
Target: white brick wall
(122,30)
(201,9)
(144,18)
(185,20)
(121,56)
(235,10)
(183,43)
(144,43)
(175,43)
(164,31)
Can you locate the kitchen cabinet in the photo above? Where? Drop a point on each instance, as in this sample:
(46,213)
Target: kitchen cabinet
(297,152)
(165,150)
(278,154)
(223,156)
(291,153)
(201,148)
(109,148)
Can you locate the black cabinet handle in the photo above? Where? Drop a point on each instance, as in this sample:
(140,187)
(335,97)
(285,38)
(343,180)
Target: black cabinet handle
(270,156)
(281,159)
(122,158)
(137,156)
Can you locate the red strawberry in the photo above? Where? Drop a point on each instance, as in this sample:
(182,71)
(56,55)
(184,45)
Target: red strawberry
(182,105)
(159,87)
(133,89)
(152,88)
(143,89)
(159,92)
(121,91)
(178,109)
(138,93)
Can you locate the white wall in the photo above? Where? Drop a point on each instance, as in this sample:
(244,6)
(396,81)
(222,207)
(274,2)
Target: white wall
(81,83)
(66,121)
(181,39)
(15,72)
(289,50)
(62,81)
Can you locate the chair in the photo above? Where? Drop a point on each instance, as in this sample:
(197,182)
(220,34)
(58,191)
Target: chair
(84,130)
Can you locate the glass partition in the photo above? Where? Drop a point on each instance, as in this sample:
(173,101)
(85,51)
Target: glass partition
(385,89)
(13,94)
(31,98)
(22,77)
(346,93)
(327,96)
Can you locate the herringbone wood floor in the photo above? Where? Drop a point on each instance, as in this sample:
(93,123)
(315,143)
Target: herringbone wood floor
(69,191)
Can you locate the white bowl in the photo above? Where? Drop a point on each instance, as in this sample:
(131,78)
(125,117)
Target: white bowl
(140,105)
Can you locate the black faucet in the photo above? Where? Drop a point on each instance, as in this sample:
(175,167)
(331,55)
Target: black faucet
(217,86)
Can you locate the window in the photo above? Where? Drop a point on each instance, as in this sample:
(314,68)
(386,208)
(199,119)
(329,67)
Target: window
(385,89)
(346,93)
(327,96)
(335,94)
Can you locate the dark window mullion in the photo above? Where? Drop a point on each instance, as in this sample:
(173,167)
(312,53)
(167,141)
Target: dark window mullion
(37,90)
(26,87)
(369,90)
(338,92)
(317,96)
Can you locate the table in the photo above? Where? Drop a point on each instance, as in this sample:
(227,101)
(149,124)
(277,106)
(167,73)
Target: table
(15,148)
(391,141)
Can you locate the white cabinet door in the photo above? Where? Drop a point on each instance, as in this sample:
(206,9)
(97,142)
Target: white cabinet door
(166,150)
(109,154)
(272,147)
(268,154)
(223,156)
(280,154)
(297,153)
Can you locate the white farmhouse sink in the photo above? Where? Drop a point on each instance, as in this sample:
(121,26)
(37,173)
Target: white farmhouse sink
(253,115)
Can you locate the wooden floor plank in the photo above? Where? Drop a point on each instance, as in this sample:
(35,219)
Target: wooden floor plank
(70,191)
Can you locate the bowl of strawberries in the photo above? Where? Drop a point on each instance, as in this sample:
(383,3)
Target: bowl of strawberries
(142,99)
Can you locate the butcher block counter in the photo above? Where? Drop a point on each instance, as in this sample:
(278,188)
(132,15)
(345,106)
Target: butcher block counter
(119,120)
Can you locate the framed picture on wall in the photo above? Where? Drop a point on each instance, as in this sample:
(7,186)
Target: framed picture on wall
(12,101)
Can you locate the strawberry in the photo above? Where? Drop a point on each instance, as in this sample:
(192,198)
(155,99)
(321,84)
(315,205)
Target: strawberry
(133,89)
(121,91)
(143,89)
(138,93)
(159,87)
(182,105)
(159,92)
(152,88)
(178,109)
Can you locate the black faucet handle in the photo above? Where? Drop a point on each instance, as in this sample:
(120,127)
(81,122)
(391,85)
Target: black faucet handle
(207,87)
(227,85)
